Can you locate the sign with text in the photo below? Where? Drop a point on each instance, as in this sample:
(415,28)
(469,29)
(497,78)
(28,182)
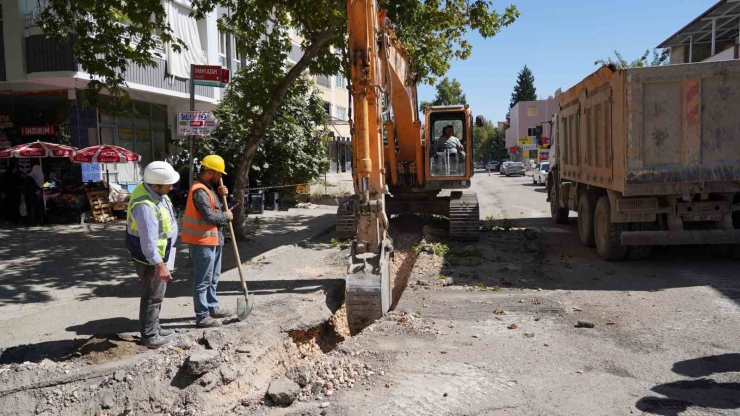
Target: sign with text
(210,75)
(37,131)
(5,122)
(529,146)
(196,123)
(4,143)
(525,140)
(544,155)
(512,150)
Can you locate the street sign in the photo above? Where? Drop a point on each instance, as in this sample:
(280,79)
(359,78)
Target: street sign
(196,123)
(210,75)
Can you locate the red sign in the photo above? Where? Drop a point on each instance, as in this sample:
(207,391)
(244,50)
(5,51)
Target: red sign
(544,157)
(512,150)
(224,76)
(37,131)
(196,123)
(545,141)
(207,73)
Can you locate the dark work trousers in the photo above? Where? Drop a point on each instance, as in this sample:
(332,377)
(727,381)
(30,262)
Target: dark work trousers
(152,294)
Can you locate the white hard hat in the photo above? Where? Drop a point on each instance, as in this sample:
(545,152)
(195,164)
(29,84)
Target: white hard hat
(160,173)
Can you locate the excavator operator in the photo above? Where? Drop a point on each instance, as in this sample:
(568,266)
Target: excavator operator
(447,148)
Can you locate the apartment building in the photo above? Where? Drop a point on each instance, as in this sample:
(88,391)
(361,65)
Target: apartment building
(41,85)
(334,92)
(529,119)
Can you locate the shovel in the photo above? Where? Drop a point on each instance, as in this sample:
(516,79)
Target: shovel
(243,305)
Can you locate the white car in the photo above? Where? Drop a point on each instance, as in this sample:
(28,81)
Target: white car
(539,173)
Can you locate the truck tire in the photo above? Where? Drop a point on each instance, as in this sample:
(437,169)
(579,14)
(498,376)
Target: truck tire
(607,234)
(640,252)
(559,215)
(586,220)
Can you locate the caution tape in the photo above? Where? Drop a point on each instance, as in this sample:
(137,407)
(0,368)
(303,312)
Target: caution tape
(284,186)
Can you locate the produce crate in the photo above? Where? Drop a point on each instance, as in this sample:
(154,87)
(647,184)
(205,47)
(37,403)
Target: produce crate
(100,207)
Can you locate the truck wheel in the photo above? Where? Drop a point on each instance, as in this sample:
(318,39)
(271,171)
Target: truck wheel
(559,215)
(640,252)
(586,220)
(607,234)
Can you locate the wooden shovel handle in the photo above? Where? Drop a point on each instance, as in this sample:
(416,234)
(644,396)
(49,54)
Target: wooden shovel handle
(233,240)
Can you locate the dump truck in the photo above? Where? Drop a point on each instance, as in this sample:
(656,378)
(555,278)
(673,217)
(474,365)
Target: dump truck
(649,157)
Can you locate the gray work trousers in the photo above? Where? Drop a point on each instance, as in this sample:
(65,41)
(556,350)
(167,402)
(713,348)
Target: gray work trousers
(152,295)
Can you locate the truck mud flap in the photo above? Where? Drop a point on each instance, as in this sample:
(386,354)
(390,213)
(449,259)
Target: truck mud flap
(676,238)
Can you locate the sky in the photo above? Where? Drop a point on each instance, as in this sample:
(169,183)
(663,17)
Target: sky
(560,40)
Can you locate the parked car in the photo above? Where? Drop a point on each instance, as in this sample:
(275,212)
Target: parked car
(513,168)
(493,166)
(539,174)
(480,165)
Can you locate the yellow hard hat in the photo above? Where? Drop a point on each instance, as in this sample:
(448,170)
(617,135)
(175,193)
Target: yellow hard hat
(214,162)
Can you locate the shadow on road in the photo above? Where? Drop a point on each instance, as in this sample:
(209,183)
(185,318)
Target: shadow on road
(79,262)
(702,391)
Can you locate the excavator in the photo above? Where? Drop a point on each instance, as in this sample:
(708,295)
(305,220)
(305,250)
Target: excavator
(398,166)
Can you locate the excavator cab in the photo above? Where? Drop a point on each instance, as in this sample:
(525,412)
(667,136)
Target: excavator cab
(448,146)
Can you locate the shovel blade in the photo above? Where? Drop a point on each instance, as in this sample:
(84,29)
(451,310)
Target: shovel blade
(244,306)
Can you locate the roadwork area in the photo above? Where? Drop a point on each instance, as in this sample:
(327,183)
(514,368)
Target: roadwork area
(527,321)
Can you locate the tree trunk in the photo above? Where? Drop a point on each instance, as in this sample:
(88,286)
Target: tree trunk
(264,120)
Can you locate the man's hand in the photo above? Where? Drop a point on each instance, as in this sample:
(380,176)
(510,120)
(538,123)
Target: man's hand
(229,215)
(223,191)
(162,272)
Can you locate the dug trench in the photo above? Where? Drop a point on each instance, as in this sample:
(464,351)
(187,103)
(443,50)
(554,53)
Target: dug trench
(216,371)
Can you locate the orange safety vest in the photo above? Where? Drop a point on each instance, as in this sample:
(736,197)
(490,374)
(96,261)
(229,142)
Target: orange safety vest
(195,230)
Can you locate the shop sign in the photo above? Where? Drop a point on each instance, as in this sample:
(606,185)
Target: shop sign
(512,150)
(525,140)
(37,131)
(5,122)
(529,146)
(210,75)
(125,133)
(4,143)
(544,155)
(196,123)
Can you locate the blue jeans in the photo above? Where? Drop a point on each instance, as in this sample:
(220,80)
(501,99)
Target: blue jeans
(207,269)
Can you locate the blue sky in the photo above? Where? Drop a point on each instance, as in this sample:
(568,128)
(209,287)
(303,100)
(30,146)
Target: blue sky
(560,40)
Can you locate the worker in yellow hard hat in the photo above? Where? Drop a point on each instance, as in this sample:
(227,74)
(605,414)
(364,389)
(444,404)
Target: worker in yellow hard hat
(202,228)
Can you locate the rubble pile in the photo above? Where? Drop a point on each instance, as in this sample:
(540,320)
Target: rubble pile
(328,374)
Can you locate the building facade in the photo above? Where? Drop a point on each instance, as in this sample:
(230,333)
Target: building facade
(41,85)
(334,92)
(529,119)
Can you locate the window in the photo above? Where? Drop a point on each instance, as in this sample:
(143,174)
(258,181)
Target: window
(341,113)
(295,53)
(323,80)
(222,49)
(340,81)
(535,131)
(327,107)
(532,111)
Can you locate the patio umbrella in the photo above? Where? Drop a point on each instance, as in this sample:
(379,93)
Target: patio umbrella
(105,154)
(38,150)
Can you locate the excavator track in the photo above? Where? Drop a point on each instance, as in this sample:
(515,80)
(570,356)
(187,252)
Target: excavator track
(464,216)
(345,225)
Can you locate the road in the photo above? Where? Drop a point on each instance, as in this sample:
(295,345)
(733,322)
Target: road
(491,330)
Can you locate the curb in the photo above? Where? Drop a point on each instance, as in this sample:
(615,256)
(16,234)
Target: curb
(278,250)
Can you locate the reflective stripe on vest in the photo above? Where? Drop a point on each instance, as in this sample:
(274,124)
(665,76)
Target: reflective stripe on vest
(142,196)
(195,230)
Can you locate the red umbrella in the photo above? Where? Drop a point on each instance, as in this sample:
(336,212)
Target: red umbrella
(38,149)
(105,154)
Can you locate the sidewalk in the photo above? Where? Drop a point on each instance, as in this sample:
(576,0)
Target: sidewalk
(58,282)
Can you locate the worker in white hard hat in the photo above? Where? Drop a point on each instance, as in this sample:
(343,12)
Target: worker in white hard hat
(151,232)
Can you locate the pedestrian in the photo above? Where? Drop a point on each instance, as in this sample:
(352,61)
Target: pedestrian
(151,232)
(33,194)
(202,228)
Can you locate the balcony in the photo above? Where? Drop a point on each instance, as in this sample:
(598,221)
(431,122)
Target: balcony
(47,55)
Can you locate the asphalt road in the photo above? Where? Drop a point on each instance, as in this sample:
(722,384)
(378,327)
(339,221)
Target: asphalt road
(491,330)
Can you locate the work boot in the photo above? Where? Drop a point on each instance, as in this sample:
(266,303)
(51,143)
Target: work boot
(222,313)
(207,322)
(166,332)
(155,341)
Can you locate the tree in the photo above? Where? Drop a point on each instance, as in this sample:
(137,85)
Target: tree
(292,151)
(658,59)
(524,89)
(103,33)
(448,93)
(489,142)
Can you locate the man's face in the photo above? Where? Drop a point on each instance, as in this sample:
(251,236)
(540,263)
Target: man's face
(448,132)
(212,177)
(162,189)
